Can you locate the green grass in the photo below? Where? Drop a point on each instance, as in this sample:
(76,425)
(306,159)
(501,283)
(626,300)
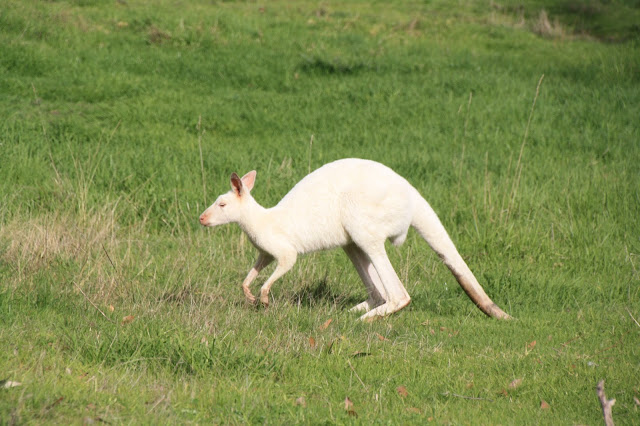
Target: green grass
(105,108)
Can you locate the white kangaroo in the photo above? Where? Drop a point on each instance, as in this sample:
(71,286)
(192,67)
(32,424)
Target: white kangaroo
(351,203)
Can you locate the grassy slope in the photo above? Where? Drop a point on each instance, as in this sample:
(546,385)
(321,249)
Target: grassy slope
(101,185)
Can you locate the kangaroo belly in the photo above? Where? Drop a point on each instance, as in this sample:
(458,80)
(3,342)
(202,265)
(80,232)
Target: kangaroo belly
(319,231)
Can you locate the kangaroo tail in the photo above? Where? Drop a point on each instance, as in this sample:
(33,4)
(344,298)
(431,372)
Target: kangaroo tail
(426,222)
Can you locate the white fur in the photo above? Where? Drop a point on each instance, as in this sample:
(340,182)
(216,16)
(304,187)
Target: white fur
(351,203)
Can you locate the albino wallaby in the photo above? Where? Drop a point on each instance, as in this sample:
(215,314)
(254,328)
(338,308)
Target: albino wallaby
(351,203)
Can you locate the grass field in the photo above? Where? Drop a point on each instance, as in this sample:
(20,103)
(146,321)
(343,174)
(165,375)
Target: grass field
(120,121)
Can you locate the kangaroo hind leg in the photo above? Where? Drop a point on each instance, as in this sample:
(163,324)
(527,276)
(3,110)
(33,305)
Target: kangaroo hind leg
(396,295)
(369,278)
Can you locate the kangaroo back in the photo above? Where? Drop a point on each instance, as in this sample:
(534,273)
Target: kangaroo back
(426,222)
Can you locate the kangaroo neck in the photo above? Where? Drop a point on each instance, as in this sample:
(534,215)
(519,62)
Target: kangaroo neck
(253,220)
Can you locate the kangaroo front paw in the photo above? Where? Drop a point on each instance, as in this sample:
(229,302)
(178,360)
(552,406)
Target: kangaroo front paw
(264,299)
(248,296)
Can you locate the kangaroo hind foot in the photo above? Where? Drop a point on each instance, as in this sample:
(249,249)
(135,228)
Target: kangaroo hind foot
(366,306)
(385,309)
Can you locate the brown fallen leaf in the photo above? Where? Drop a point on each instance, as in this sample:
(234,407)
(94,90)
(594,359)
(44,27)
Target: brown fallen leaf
(402,391)
(381,337)
(544,405)
(111,308)
(325,325)
(429,419)
(504,392)
(54,403)
(636,400)
(312,342)
(531,345)
(348,404)
(128,319)
(301,401)
(514,384)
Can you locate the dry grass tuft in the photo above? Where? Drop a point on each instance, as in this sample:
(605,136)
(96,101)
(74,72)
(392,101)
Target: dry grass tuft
(91,242)
(515,18)
(37,242)
(158,36)
(545,28)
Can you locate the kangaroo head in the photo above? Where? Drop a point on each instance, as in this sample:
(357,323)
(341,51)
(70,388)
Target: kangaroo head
(230,207)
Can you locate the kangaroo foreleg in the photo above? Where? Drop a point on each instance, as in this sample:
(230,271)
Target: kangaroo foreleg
(284,264)
(263,260)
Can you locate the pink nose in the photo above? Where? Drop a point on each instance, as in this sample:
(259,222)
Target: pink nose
(203,219)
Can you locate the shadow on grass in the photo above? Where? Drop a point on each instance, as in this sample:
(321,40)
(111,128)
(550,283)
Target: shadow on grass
(320,293)
(336,66)
(317,294)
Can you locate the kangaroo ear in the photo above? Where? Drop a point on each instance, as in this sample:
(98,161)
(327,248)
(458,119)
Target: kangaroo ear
(236,184)
(249,179)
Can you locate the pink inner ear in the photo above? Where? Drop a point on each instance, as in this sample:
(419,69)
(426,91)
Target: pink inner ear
(236,184)
(249,179)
